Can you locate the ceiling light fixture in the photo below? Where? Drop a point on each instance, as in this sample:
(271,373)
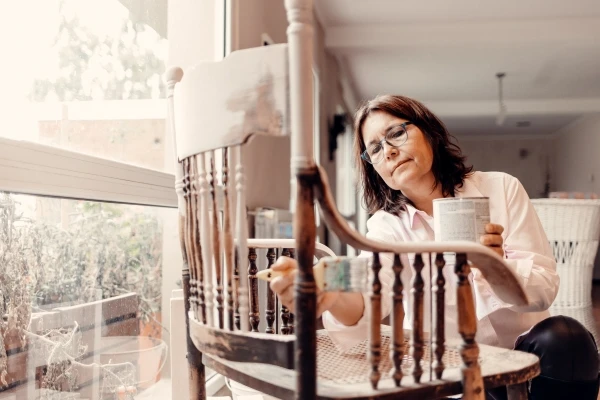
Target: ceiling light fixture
(501,117)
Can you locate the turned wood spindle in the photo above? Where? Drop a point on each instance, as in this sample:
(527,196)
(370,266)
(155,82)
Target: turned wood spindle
(228,240)
(467,327)
(397,320)
(236,285)
(188,229)
(285,312)
(439,327)
(195,241)
(253,285)
(417,340)
(375,329)
(216,240)
(270,310)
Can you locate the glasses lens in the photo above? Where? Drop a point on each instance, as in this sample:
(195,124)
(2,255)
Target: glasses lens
(397,137)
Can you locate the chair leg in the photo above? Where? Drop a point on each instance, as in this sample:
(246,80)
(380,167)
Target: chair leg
(196,368)
(517,392)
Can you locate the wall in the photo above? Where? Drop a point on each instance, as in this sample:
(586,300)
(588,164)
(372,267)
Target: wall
(576,156)
(255,17)
(507,155)
(577,160)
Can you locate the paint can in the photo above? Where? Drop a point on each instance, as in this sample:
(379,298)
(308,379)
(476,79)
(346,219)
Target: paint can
(460,218)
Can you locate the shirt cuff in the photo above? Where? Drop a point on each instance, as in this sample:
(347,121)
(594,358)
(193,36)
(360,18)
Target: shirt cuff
(345,337)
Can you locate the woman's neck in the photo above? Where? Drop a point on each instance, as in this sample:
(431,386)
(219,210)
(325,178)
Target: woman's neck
(423,199)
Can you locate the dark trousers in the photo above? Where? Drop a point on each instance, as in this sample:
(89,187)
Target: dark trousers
(568,359)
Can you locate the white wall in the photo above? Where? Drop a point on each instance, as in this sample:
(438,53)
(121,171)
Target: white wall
(505,154)
(577,160)
(577,156)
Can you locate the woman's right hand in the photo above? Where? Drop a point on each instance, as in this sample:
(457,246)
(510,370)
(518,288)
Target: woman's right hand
(283,286)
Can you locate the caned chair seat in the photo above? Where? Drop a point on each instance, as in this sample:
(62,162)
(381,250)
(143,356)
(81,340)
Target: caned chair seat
(345,375)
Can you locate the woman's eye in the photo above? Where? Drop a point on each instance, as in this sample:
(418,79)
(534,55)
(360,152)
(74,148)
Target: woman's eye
(375,149)
(396,134)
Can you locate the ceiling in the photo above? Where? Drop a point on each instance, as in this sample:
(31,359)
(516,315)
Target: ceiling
(447,53)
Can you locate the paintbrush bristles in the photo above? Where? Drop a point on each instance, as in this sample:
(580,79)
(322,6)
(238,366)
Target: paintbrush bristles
(332,274)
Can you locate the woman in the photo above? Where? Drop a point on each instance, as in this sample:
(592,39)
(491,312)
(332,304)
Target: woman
(407,160)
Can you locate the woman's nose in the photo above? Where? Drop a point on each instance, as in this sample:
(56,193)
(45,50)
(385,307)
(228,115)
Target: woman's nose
(390,151)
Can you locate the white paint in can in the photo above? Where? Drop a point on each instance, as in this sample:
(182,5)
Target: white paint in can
(460,218)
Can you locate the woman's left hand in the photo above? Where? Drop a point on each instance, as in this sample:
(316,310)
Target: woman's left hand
(493,238)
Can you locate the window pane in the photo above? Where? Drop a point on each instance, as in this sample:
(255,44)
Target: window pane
(87,76)
(81,297)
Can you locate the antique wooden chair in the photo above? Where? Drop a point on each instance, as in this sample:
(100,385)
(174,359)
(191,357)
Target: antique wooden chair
(218,107)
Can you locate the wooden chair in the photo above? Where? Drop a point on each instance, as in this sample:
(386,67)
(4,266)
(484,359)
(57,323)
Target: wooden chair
(268,90)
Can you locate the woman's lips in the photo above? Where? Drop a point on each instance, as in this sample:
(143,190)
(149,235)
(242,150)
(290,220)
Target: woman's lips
(398,165)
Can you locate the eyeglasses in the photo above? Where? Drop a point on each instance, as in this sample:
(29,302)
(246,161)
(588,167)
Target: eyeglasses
(396,136)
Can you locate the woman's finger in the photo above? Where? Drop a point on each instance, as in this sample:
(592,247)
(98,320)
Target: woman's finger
(494,229)
(283,263)
(491,240)
(286,296)
(281,283)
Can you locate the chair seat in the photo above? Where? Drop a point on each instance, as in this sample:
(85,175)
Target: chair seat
(346,375)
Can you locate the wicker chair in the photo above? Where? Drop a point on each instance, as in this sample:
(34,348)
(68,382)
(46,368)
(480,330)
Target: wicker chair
(573,229)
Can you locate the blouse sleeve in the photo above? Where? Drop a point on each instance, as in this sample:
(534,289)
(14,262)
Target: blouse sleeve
(527,252)
(343,336)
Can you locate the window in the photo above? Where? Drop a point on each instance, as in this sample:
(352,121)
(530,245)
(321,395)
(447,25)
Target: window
(88,79)
(87,204)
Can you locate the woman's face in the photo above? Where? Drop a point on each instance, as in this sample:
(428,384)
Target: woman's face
(406,168)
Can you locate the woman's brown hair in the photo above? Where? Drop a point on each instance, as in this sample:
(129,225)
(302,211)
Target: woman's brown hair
(449,168)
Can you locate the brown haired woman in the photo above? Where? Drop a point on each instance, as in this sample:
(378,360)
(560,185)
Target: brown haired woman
(406,159)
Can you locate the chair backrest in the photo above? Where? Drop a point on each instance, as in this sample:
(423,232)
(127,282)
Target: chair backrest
(218,106)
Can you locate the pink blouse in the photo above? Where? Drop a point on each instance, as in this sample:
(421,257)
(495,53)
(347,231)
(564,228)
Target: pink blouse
(526,250)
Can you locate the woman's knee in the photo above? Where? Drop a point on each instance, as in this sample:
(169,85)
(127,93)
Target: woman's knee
(568,355)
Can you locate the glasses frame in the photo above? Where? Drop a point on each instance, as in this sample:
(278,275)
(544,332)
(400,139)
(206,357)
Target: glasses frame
(365,155)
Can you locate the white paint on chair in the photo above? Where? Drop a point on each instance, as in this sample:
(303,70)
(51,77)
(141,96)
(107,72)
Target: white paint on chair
(221,104)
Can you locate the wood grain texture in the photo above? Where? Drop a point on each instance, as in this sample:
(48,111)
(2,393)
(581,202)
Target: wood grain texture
(243,346)
(305,288)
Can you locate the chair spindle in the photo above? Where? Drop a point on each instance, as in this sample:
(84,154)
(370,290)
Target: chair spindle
(418,310)
(216,240)
(205,241)
(397,320)
(270,310)
(285,312)
(188,229)
(253,285)
(467,323)
(439,328)
(375,329)
(197,264)
(228,240)
(242,237)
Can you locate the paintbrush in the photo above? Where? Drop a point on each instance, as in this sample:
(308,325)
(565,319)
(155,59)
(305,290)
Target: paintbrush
(332,274)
